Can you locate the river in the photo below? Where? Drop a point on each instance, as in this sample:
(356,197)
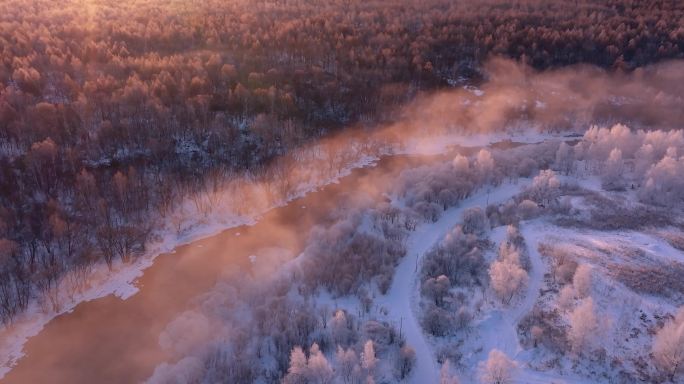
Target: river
(110,340)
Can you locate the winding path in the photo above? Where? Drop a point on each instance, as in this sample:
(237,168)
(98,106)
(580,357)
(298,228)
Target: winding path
(402,298)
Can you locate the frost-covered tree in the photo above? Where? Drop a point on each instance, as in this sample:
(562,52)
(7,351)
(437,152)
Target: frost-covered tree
(545,187)
(527,167)
(537,333)
(436,289)
(484,168)
(368,359)
(339,328)
(484,165)
(643,161)
(475,221)
(564,158)
(514,237)
(297,373)
(566,297)
(498,369)
(613,177)
(664,182)
(582,280)
(528,209)
(438,321)
(583,325)
(445,376)
(319,370)
(461,164)
(668,347)
(406,360)
(507,278)
(346,361)
(598,142)
(509,212)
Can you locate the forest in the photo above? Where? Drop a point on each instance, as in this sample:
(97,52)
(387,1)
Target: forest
(114,113)
(105,117)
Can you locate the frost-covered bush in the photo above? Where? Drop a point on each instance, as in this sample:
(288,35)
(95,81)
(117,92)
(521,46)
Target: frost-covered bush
(508,212)
(436,289)
(437,321)
(545,188)
(528,209)
(475,221)
(540,329)
(514,238)
(524,160)
(668,347)
(582,280)
(527,167)
(345,256)
(484,166)
(566,297)
(584,326)
(380,333)
(664,279)
(405,361)
(458,258)
(428,211)
(429,190)
(607,213)
(562,261)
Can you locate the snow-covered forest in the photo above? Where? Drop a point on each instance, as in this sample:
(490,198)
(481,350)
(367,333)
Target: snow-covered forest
(335,191)
(568,272)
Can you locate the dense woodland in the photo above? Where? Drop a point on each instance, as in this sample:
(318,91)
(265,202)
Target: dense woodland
(112,110)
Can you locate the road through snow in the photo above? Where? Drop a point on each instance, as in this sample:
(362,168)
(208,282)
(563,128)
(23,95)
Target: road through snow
(402,299)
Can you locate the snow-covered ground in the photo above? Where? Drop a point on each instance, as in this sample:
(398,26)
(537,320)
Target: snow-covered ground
(499,329)
(618,306)
(120,281)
